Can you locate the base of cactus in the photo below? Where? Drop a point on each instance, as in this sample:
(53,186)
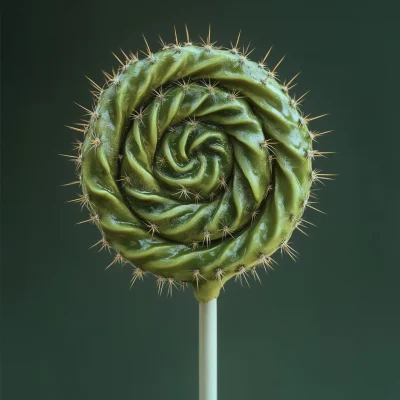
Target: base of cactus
(207,290)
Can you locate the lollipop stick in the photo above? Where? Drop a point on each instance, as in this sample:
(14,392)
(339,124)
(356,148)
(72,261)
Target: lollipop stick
(208,350)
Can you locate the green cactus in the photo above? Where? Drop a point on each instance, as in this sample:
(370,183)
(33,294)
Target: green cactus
(196,165)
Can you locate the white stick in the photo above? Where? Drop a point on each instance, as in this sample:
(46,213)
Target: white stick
(208,350)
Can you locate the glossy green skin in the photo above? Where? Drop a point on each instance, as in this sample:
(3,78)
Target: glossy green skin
(223,143)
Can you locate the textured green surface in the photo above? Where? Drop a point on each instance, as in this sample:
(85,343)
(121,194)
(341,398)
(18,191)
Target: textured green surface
(185,121)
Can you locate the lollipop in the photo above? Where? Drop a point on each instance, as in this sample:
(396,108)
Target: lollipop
(196,165)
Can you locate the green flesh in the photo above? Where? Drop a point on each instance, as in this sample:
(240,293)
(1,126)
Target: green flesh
(148,170)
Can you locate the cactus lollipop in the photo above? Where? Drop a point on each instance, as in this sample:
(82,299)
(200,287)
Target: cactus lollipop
(196,165)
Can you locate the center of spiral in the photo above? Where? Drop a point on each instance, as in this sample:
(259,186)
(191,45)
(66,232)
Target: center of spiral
(193,161)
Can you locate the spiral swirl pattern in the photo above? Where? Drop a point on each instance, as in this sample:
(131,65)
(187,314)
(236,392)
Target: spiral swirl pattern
(195,165)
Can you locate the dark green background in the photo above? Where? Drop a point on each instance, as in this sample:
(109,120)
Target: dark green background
(326,327)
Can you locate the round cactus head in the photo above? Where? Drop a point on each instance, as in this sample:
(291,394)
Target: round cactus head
(196,165)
